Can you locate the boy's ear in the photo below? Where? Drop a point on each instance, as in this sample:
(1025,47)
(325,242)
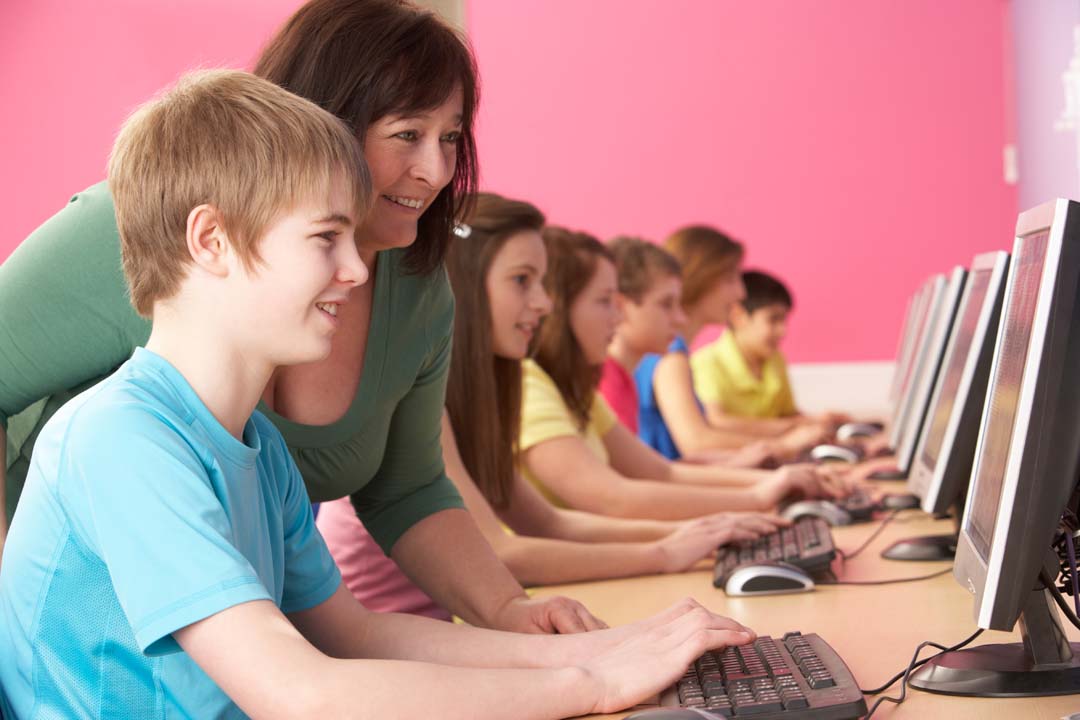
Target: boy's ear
(207,243)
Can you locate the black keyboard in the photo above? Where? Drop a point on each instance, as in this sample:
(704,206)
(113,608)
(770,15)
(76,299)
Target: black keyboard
(859,506)
(807,544)
(799,678)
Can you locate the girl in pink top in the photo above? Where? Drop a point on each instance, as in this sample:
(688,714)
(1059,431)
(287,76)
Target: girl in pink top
(496,267)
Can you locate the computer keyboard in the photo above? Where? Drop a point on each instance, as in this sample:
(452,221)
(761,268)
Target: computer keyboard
(799,677)
(807,544)
(858,505)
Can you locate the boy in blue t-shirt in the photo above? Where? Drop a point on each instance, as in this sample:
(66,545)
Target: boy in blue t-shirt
(164,561)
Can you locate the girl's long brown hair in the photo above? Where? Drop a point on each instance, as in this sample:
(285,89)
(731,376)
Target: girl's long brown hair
(483,395)
(572,260)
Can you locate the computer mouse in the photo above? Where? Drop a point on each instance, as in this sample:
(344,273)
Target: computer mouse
(851,430)
(899,501)
(672,714)
(825,453)
(767,578)
(831,513)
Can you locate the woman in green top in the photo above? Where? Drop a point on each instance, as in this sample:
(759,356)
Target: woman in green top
(365,422)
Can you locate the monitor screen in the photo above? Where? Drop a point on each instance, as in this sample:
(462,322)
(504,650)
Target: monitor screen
(954,371)
(1004,392)
(924,325)
(926,375)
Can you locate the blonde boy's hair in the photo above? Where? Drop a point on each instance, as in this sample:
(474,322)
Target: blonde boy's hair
(231,140)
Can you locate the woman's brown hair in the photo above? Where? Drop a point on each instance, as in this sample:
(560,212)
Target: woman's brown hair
(572,261)
(706,255)
(483,394)
(365,59)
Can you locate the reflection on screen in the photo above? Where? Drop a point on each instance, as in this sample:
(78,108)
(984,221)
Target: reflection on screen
(1004,391)
(980,281)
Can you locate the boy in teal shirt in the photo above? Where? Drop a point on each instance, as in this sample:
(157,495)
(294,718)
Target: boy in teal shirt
(163,560)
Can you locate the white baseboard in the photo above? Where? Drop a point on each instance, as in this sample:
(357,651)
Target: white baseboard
(859,389)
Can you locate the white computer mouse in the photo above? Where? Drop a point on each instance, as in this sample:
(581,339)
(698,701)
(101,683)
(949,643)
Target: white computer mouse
(850,430)
(767,578)
(826,452)
(831,513)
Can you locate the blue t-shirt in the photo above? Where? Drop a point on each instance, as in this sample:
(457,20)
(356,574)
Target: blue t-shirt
(142,515)
(652,429)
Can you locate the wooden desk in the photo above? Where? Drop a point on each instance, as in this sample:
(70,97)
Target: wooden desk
(874,628)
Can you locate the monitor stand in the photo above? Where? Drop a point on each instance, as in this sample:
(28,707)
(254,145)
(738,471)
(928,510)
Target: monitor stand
(1045,663)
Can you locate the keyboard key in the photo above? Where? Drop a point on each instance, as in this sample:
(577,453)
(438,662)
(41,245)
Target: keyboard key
(759,680)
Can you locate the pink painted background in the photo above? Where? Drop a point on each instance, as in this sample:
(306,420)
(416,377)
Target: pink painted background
(854,147)
(70,72)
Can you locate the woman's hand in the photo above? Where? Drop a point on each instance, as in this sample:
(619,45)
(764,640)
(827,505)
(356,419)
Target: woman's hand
(547,615)
(799,481)
(699,538)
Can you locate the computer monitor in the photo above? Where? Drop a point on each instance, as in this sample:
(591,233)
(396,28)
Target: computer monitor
(943,460)
(932,293)
(1025,473)
(926,375)
(942,464)
(903,348)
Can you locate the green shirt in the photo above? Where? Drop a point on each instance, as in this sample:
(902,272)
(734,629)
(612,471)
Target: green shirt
(66,322)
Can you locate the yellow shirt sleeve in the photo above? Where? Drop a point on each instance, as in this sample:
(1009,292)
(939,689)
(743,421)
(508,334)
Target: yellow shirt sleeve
(544,415)
(785,401)
(707,370)
(602,418)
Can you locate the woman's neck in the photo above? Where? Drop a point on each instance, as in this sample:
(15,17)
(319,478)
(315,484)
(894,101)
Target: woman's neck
(695,322)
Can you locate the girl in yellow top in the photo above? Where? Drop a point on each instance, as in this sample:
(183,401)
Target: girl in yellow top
(495,271)
(572,448)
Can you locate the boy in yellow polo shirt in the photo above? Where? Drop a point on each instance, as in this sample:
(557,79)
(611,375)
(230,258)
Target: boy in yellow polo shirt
(743,373)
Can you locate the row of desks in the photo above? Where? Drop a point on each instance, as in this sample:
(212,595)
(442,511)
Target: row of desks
(874,628)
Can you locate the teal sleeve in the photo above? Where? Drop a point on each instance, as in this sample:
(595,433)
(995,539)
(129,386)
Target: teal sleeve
(411,482)
(65,318)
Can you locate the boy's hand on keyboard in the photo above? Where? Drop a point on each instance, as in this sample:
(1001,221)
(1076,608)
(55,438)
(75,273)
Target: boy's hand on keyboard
(796,481)
(842,481)
(654,653)
(696,539)
(804,436)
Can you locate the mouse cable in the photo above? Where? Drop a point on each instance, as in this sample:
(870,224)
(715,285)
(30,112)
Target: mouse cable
(905,674)
(845,555)
(891,581)
(1059,598)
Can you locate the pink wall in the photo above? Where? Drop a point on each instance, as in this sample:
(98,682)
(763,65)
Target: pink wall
(855,147)
(70,72)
